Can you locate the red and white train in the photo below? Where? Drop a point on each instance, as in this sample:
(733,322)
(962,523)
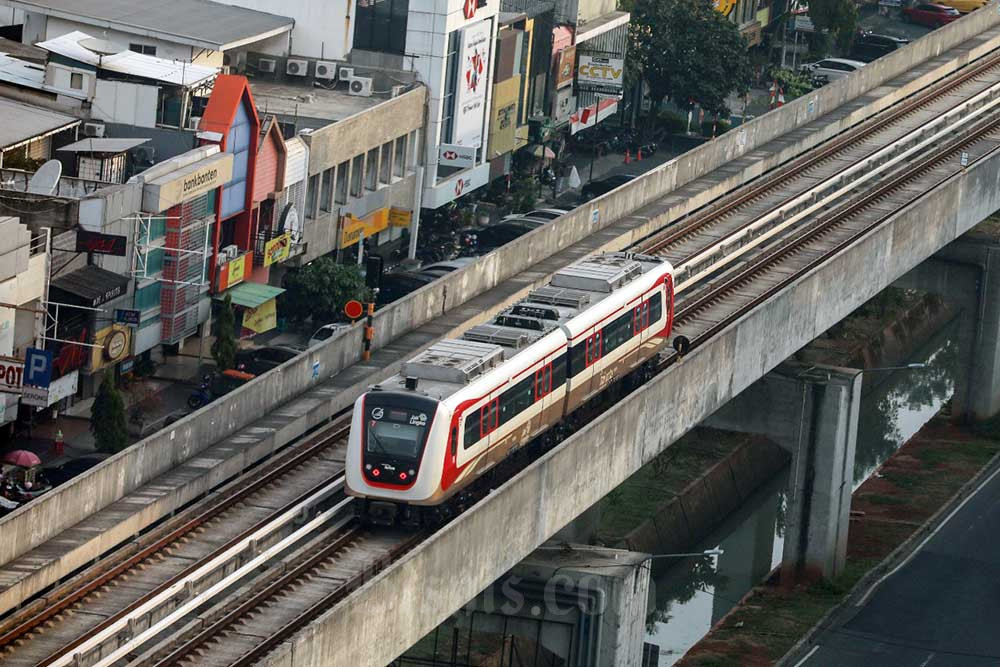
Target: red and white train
(464,405)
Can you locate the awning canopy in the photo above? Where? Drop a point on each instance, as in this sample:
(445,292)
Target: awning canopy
(250,295)
(102,145)
(91,286)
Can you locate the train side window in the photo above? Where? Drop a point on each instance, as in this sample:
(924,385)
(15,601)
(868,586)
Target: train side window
(472,429)
(454,440)
(640,317)
(656,307)
(559,371)
(578,358)
(617,333)
(543,381)
(593,348)
(517,399)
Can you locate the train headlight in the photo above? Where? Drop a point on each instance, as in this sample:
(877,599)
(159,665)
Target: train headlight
(402,477)
(376,472)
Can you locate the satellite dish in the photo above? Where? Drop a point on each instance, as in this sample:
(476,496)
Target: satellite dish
(45,181)
(102,47)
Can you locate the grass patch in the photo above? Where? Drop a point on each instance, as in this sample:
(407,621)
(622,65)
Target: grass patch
(879,499)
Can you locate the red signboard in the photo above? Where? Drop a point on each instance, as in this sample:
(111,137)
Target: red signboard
(353,309)
(100,244)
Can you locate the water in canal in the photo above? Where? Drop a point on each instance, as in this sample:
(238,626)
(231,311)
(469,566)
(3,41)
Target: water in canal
(689,596)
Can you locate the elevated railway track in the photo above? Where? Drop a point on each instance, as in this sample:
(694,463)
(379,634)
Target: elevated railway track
(226,582)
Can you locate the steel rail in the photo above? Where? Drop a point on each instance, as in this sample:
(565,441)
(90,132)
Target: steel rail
(313,446)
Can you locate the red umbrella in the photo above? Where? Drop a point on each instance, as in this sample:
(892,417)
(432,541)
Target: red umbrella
(22,457)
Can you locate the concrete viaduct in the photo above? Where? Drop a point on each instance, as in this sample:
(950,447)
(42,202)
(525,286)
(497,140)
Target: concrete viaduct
(47,540)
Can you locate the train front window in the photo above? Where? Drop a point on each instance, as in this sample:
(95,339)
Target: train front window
(396,433)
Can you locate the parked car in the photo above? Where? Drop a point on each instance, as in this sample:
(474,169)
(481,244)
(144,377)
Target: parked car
(932,16)
(262,359)
(868,46)
(503,232)
(442,268)
(63,473)
(605,185)
(398,284)
(963,6)
(545,214)
(325,332)
(832,69)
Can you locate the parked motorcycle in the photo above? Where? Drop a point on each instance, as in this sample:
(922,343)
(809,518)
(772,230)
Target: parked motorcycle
(202,395)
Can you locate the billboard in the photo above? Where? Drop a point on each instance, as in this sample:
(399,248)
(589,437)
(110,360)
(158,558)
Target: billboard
(601,72)
(472,84)
(564,65)
(503,123)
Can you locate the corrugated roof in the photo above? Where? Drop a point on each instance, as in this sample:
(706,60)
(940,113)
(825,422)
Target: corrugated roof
(250,295)
(103,145)
(200,23)
(129,62)
(23,122)
(92,284)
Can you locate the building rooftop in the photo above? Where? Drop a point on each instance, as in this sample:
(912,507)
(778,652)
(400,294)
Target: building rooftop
(175,72)
(200,23)
(22,51)
(286,100)
(103,145)
(24,122)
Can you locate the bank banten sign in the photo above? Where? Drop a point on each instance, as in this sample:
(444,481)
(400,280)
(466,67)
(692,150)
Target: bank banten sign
(601,72)
(187,182)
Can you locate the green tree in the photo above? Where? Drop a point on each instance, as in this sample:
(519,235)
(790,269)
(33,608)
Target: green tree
(224,347)
(320,289)
(837,19)
(688,52)
(107,417)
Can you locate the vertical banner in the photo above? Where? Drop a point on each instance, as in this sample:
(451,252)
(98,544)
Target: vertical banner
(473,82)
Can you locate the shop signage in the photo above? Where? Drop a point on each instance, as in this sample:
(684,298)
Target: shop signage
(108,295)
(452,188)
(724,7)
(35,396)
(564,66)
(454,155)
(187,182)
(262,318)
(369,225)
(11,375)
(232,273)
(115,345)
(37,367)
(127,316)
(41,397)
(469,7)
(600,71)
(400,217)
(277,249)
(100,244)
(503,124)
(470,105)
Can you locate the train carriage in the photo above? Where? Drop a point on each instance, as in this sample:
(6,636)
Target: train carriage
(464,405)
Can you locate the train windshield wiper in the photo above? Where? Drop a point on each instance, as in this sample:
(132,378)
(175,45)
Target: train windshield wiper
(373,436)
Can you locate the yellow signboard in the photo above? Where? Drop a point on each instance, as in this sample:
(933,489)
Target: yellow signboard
(724,7)
(237,270)
(114,345)
(400,217)
(261,319)
(277,249)
(369,225)
(503,124)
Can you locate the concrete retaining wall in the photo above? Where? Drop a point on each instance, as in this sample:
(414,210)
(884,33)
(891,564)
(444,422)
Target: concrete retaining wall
(399,606)
(683,521)
(126,471)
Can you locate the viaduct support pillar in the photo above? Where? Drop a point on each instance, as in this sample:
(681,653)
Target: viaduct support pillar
(966,274)
(812,411)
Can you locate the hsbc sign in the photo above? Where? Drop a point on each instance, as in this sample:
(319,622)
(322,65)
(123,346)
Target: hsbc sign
(469,7)
(453,155)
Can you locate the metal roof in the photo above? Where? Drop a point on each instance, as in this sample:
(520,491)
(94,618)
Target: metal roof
(102,145)
(92,284)
(250,295)
(176,72)
(201,23)
(24,122)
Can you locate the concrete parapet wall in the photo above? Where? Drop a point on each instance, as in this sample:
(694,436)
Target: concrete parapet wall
(403,603)
(160,452)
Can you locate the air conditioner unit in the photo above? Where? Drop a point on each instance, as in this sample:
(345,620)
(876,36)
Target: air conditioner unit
(360,86)
(230,251)
(297,67)
(93,129)
(398,90)
(345,74)
(326,70)
(193,122)
(266,65)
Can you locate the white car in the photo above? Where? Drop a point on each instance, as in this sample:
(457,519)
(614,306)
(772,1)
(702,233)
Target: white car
(832,69)
(325,332)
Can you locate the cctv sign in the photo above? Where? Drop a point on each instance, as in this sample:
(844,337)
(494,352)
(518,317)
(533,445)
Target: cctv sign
(603,72)
(11,375)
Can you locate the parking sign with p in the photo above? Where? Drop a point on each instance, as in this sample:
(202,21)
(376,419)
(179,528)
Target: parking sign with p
(38,367)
